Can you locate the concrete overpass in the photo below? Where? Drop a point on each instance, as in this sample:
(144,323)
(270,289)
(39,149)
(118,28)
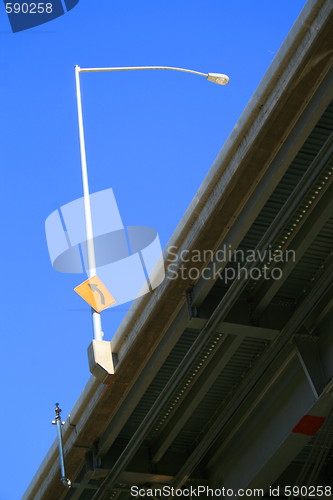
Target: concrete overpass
(223,376)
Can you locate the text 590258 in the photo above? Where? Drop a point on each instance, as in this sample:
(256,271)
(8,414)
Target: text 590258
(28,8)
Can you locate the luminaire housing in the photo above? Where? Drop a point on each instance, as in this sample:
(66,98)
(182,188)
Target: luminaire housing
(218,78)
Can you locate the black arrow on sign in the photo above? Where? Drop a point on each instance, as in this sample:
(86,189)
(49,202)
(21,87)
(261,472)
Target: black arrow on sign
(94,288)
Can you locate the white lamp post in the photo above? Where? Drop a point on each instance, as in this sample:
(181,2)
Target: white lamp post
(212,77)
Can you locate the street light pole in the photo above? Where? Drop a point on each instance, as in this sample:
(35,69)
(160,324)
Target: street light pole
(218,78)
(96,317)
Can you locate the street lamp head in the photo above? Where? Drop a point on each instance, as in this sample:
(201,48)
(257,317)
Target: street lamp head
(218,78)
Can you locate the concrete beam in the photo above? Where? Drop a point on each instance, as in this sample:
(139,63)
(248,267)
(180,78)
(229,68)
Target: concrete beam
(310,359)
(240,330)
(299,241)
(271,438)
(196,393)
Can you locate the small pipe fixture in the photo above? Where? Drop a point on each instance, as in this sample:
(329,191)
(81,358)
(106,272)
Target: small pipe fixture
(64,479)
(57,421)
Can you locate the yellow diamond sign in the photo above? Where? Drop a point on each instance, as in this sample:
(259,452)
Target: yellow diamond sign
(95,293)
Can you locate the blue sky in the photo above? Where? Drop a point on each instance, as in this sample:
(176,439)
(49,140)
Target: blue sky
(151,136)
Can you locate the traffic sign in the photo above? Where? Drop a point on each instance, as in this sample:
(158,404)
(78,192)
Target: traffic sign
(95,293)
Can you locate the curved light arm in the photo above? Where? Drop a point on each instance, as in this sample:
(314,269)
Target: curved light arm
(218,78)
(131,68)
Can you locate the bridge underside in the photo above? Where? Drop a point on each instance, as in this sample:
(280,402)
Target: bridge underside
(243,398)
